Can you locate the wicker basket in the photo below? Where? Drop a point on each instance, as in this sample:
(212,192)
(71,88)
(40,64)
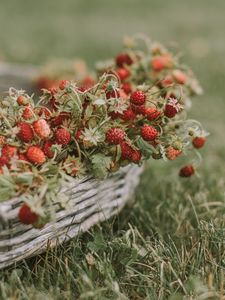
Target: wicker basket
(91,201)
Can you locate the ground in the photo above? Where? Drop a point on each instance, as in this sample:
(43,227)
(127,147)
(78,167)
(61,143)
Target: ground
(170,243)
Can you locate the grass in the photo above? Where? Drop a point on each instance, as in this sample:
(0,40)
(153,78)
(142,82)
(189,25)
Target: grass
(170,243)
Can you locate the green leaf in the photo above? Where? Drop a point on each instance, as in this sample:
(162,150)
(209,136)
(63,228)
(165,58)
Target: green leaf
(145,147)
(101,164)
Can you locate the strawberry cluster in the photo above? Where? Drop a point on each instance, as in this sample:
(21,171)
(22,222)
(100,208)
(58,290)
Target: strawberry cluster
(128,116)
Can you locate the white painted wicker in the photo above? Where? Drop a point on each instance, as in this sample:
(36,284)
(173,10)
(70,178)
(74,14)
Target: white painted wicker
(91,201)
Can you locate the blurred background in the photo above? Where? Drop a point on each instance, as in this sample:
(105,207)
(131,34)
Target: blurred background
(32,32)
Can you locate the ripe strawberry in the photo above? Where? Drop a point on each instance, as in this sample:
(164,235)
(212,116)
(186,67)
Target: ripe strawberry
(47,149)
(9,151)
(22,100)
(42,128)
(28,113)
(172,153)
(4,161)
(128,115)
(126,87)
(62,136)
(58,120)
(152,113)
(63,84)
(115,136)
(138,109)
(25,132)
(35,155)
(187,171)
(136,156)
(2,140)
(160,62)
(126,151)
(22,157)
(123,73)
(26,216)
(137,98)
(78,134)
(149,133)
(180,76)
(198,142)
(114,115)
(43,112)
(123,59)
(170,111)
(112,94)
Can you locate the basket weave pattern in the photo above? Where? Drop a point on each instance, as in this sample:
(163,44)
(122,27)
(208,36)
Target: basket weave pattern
(91,201)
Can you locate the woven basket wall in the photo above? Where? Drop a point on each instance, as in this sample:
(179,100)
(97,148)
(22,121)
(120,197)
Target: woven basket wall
(91,201)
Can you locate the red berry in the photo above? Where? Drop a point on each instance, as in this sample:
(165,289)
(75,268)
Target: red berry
(115,136)
(63,84)
(160,62)
(123,73)
(42,128)
(198,142)
(172,153)
(170,111)
(137,98)
(187,171)
(25,132)
(149,133)
(35,155)
(152,113)
(47,149)
(28,113)
(58,120)
(123,59)
(126,151)
(112,94)
(4,161)
(62,136)
(180,76)
(9,151)
(26,216)
(128,115)
(44,112)
(138,109)
(126,87)
(22,100)
(136,156)
(22,157)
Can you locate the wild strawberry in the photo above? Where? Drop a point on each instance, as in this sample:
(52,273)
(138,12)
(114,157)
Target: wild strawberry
(35,155)
(25,132)
(42,128)
(123,59)
(43,112)
(138,109)
(47,149)
(62,136)
(167,81)
(149,133)
(123,73)
(137,98)
(4,161)
(2,140)
(152,113)
(78,134)
(112,93)
(63,84)
(22,100)
(160,62)
(126,87)
(180,76)
(170,111)
(21,156)
(58,120)
(126,151)
(9,151)
(115,136)
(187,171)
(114,115)
(172,153)
(198,142)
(136,156)
(26,215)
(128,115)
(28,113)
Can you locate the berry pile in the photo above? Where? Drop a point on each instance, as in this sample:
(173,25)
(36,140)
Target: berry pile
(75,130)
